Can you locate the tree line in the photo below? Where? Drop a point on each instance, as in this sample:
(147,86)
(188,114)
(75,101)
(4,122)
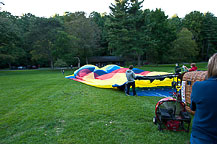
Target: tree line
(139,36)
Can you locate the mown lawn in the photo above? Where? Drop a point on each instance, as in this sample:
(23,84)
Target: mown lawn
(43,107)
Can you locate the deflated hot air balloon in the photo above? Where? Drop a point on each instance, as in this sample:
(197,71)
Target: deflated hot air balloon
(113,76)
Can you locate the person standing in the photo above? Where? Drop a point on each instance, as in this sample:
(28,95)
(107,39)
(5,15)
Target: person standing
(177,69)
(203,102)
(62,70)
(130,80)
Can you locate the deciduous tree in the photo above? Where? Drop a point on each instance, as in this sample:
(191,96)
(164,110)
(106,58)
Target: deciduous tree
(184,47)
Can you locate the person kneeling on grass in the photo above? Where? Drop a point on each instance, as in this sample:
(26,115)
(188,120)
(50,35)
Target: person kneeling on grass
(130,80)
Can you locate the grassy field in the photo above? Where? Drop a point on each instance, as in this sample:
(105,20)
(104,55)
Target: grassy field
(43,107)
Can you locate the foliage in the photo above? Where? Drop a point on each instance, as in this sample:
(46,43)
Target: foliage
(44,45)
(193,22)
(203,27)
(184,48)
(176,23)
(125,29)
(209,36)
(10,40)
(136,35)
(65,47)
(99,20)
(117,28)
(60,63)
(136,30)
(86,33)
(161,36)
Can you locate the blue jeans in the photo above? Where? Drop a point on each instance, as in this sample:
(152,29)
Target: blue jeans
(129,84)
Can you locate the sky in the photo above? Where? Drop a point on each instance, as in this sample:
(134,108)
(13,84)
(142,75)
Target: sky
(48,8)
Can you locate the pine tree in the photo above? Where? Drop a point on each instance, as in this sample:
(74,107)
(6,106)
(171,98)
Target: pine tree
(209,35)
(117,28)
(136,29)
(124,29)
(161,35)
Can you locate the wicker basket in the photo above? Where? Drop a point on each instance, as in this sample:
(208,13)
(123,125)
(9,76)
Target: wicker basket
(188,80)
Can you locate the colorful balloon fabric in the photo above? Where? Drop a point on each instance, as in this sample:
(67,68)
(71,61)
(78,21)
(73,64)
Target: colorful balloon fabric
(113,76)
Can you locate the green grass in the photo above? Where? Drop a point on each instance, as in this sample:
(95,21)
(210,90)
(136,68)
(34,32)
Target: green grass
(171,67)
(44,107)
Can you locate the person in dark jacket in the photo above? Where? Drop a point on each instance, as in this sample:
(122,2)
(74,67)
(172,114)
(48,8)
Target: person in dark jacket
(130,80)
(177,69)
(203,102)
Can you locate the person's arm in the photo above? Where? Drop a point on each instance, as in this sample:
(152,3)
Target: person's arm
(186,68)
(134,76)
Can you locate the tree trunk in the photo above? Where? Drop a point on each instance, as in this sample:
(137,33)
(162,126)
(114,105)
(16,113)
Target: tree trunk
(79,62)
(51,64)
(139,60)
(9,64)
(86,60)
(202,51)
(207,52)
